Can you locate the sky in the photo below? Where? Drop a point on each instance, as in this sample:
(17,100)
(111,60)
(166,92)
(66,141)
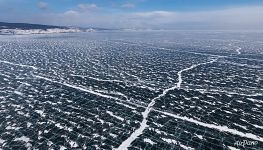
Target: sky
(137,14)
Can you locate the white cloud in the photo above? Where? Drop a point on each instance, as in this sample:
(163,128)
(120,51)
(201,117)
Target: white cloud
(71,13)
(155,14)
(128,5)
(85,7)
(42,5)
(232,18)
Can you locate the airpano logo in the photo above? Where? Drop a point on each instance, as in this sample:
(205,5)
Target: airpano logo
(245,143)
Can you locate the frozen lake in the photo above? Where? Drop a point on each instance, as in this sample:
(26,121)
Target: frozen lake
(132,90)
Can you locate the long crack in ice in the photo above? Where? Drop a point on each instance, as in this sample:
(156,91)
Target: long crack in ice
(213,126)
(143,125)
(76,87)
(21,65)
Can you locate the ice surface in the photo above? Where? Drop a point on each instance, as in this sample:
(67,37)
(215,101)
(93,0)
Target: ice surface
(131,90)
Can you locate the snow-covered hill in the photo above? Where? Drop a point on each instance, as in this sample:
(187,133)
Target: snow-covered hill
(37,31)
(24,28)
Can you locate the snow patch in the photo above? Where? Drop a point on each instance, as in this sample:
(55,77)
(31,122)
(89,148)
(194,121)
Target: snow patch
(28,124)
(232,148)
(117,117)
(18,93)
(199,136)
(149,141)
(171,141)
(73,144)
(22,138)
(238,50)
(62,148)
(59,125)
(128,106)
(40,112)
(2,141)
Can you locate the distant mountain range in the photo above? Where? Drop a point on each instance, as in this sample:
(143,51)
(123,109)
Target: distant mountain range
(26,28)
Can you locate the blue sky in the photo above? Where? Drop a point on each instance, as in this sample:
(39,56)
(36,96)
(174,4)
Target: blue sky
(161,14)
